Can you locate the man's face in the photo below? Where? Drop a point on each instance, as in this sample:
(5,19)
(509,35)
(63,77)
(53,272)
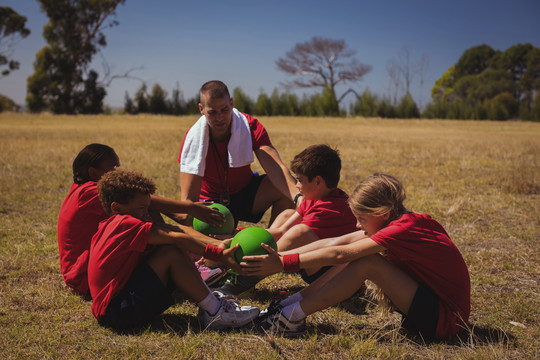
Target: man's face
(218,114)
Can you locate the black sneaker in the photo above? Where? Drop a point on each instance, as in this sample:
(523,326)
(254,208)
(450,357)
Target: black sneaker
(274,307)
(277,324)
(239,285)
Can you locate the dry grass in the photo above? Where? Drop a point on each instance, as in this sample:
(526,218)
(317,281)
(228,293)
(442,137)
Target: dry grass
(481,180)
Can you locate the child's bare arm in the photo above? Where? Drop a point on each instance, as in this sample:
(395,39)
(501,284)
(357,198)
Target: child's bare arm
(272,263)
(187,239)
(323,243)
(278,232)
(199,210)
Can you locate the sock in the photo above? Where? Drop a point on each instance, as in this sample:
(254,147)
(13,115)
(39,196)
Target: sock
(210,304)
(294,312)
(296,297)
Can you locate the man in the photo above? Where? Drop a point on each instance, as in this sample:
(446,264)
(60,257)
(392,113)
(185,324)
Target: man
(216,155)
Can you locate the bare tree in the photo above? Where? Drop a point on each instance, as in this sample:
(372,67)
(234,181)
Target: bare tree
(322,63)
(403,70)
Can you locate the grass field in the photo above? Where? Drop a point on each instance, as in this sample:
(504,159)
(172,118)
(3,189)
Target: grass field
(480,180)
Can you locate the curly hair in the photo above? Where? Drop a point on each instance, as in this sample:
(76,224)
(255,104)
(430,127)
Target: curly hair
(122,186)
(377,195)
(318,160)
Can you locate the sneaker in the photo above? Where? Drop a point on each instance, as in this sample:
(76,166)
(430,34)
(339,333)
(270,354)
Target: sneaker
(210,275)
(229,315)
(274,322)
(273,308)
(239,285)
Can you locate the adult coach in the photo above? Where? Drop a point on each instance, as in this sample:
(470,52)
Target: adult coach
(216,155)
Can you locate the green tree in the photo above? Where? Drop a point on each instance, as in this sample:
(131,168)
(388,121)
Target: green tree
(157,103)
(141,99)
(129,105)
(177,106)
(365,105)
(474,60)
(74,35)
(407,108)
(276,107)
(329,103)
(12,29)
(241,101)
(262,106)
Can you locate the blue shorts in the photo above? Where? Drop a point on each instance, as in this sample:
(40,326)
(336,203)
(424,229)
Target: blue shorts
(423,314)
(142,299)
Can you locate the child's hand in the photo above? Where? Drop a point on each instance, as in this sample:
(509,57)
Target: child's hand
(262,265)
(204,213)
(227,258)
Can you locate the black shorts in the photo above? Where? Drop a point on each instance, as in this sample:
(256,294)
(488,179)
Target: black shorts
(242,202)
(311,278)
(142,299)
(423,313)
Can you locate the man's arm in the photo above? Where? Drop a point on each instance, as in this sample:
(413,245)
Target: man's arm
(190,186)
(278,173)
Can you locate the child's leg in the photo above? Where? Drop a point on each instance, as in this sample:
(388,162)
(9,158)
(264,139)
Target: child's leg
(396,284)
(296,236)
(170,263)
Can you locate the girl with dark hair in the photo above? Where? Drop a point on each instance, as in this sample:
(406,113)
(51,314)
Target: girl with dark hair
(82,212)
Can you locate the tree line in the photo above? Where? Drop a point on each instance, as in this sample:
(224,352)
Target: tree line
(484,84)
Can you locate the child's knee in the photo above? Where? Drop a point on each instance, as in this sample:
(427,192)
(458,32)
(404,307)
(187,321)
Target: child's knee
(167,254)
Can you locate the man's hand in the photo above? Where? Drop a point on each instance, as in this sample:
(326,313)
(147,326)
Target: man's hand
(262,265)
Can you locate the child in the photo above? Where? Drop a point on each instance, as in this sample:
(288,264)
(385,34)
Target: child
(131,281)
(82,211)
(424,274)
(323,213)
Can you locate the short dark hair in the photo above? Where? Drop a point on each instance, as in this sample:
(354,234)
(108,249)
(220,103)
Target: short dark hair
(214,89)
(122,186)
(318,160)
(90,156)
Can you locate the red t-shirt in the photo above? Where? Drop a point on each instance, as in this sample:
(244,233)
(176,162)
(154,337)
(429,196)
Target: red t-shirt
(330,216)
(117,248)
(420,246)
(78,221)
(213,181)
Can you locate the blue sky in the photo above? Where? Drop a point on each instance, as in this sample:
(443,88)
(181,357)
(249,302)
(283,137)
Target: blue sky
(238,41)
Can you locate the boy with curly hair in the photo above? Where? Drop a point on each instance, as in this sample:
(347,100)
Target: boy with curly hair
(134,264)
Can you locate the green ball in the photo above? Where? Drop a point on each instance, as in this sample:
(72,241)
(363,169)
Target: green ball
(250,240)
(226,228)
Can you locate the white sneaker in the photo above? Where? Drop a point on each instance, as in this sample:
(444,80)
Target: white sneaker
(229,315)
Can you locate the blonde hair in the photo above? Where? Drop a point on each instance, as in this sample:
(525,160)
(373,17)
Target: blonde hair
(377,195)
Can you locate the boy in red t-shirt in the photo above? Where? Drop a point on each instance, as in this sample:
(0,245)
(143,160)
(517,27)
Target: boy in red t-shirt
(324,212)
(135,264)
(423,274)
(81,213)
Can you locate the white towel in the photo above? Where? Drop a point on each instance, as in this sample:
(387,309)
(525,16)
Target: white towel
(240,148)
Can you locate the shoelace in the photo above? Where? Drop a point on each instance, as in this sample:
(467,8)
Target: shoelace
(228,304)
